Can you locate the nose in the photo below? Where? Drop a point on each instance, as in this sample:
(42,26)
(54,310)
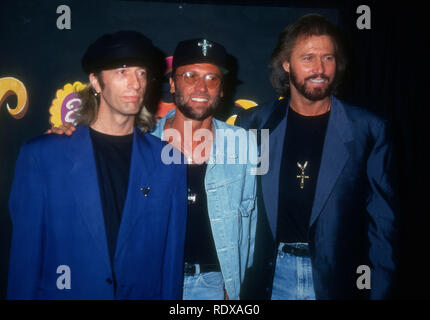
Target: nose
(201,85)
(318,66)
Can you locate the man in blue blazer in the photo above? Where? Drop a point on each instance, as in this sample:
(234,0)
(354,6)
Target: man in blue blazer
(328,224)
(98,215)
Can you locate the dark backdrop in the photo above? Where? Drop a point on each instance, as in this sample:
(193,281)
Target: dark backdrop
(386,64)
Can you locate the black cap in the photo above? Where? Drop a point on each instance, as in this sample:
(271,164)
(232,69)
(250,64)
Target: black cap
(199,51)
(111,51)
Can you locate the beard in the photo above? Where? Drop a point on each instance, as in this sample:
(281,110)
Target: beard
(314,94)
(188,111)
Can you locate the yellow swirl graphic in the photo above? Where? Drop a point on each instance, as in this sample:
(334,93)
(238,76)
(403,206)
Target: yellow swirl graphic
(10,86)
(241,103)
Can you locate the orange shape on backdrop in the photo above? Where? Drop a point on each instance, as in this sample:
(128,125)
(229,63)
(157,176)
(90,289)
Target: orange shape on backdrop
(164,108)
(12,86)
(241,103)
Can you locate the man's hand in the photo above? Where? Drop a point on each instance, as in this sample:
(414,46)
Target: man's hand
(66,129)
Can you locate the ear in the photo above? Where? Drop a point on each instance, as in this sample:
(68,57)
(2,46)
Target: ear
(286,66)
(172,85)
(95,83)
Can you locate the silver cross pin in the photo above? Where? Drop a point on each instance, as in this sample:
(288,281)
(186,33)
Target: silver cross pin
(205,45)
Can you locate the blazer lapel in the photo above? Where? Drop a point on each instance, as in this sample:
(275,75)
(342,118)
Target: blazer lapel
(141,168)
(277,124)
(334,156)
(84,185)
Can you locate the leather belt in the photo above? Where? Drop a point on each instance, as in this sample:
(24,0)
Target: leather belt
(301,251)
(191,268)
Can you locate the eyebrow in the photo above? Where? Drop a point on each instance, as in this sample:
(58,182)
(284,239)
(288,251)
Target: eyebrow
(313,54)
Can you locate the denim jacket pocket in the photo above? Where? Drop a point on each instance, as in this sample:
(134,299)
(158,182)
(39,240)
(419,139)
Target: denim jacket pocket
(246,207)
(244,212)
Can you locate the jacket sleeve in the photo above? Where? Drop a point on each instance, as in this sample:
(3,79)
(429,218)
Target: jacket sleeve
(174,250)
(383,216)
(26,206)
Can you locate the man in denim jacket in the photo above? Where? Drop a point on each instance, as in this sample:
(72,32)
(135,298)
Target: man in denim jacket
(221,176)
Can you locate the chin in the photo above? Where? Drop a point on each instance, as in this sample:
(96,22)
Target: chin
(197,116)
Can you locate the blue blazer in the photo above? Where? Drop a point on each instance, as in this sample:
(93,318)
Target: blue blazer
(353,220)
(58,221)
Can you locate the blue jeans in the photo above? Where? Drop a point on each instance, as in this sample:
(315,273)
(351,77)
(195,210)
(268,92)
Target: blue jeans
(293,277)
(203,286)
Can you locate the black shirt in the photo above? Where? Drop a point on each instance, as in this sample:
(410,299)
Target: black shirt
(303,144)
(113,156)
(199,243)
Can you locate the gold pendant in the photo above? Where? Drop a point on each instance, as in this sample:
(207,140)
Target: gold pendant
(302,176)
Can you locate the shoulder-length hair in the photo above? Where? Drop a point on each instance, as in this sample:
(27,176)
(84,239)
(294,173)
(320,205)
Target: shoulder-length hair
(306,26)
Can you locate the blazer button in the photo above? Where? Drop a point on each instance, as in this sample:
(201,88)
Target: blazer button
(109,280)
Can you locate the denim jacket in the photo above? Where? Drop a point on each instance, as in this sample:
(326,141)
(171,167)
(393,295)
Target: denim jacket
(232,203)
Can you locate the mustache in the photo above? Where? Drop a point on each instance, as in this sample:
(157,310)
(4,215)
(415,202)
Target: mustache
(316,76)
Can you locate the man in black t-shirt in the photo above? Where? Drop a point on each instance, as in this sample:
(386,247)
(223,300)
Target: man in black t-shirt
(103,216)
(328,225)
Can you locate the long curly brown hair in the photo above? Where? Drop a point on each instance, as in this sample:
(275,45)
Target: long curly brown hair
(308,25)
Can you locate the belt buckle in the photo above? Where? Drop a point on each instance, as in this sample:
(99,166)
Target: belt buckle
(298,252)
(295,251)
